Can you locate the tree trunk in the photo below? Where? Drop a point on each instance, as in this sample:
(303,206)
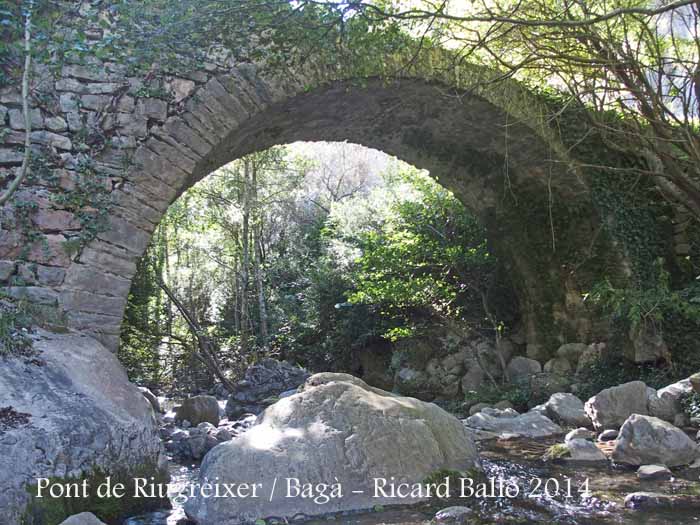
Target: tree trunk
(245,245)
(262,307)
(207,351)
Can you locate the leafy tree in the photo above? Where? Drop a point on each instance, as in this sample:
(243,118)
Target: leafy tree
(427,260)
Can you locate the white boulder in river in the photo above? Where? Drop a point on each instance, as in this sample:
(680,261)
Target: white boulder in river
(645,440)
(336,430)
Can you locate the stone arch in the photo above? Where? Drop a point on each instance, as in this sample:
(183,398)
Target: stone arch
(490,158)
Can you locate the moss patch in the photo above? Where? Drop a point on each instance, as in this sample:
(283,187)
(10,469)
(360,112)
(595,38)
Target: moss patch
(111,510)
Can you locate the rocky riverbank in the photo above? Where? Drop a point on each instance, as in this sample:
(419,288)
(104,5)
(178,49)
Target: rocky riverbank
(596,462)
(68,413)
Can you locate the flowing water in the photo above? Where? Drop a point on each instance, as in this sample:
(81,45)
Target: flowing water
(552,493)
(547,493)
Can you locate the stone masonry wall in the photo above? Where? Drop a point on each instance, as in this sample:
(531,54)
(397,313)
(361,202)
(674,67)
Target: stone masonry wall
(142,141)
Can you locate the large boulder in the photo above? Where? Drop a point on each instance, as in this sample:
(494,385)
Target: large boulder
(262,384)
(546,384)
(559,366)
(645,440)
(612,406)
(666,404)
(70,413)
(572,352)
(198,409)
(593,354)
(646,344)
(530,424)
(337,430)
(567,409)
(84,518)
(473,378)
(521,368)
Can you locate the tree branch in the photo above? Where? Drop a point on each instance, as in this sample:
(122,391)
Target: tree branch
(24,169)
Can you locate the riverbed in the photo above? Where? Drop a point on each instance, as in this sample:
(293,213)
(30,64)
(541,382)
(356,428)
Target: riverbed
(554,493)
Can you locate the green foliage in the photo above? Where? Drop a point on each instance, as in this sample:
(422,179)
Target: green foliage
(143,324)
(556,452)
(15,322)
(690,403)
(428,257)
(612,370)
(519,395)
(107,508)
(652,303)
(439,476)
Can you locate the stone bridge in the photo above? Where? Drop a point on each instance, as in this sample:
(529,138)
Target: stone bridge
(488,143)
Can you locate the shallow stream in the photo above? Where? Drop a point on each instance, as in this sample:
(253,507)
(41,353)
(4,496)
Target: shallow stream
(554,493)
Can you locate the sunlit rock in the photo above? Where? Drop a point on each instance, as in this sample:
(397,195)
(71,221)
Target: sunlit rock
(337,430)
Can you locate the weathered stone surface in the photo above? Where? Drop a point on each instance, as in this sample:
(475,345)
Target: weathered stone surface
(612,406)
(651,472)
(89,279)
(199,409)
(580,433)
(336,431)
(7,268)
(584,450)
(261,386)
(530,424)
(591,355)
(415,383)
(647,345)
(47,138)
(666,403)
(608,435)
(572,352)
(473,379)
(91,73)
(153,108)
(55,220)
(117,262)
(521,368)
(79,301)
(84,518)
(150,396)
(558,365)
(56,124)
(17,119)
(33,294)
(546,384)
(647,440)
(80,404)
(567,409)
(126,235)
(10,157)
